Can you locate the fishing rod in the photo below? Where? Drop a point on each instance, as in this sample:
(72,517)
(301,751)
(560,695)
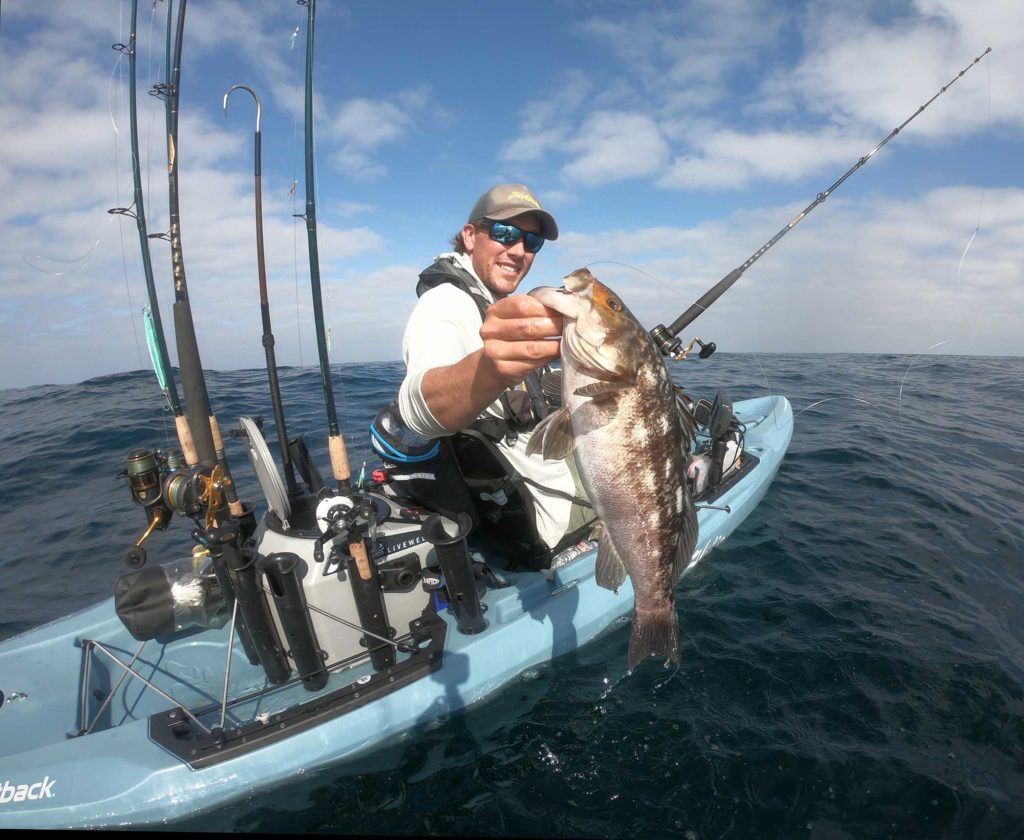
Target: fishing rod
(666,338)
(268,335)
(154,326)
(335,442)
(205,429)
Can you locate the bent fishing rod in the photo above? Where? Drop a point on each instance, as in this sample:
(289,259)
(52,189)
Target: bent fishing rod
(666,339)
(205,429)
(335,442)
(154,326)
(268,335)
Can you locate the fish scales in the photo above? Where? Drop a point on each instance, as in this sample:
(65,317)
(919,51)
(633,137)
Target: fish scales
(620,415)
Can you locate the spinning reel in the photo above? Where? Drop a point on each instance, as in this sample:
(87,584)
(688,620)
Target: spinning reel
(161,483)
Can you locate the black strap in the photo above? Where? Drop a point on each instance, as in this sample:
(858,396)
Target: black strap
(513,475)
(445,271)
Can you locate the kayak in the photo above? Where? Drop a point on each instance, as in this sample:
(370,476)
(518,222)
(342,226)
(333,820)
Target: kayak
(104,723)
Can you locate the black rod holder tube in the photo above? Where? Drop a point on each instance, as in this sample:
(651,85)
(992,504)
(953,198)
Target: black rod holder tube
(253,607)
(285,587)
(453,556)
(220,569)
(369,598)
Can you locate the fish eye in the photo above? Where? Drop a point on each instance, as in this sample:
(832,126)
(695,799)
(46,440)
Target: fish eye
(614,304)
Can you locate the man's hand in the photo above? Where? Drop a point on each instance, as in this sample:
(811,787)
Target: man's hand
(517,339)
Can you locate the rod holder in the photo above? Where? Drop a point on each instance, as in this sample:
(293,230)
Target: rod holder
(253,607)
(453,557)
(369,599)
(281,572)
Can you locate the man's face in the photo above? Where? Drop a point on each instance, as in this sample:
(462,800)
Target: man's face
(501,267)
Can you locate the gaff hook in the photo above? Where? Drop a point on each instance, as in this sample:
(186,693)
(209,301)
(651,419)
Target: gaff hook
(254,96)
(268,335)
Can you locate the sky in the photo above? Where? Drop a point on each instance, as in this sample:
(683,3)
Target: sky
(669,139)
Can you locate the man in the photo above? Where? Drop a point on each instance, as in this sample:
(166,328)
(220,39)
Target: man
(470,344)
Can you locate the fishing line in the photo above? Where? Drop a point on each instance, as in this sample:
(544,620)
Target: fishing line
(768,390)
(27,258)
(295,266)
(81,260)
(960,265)
(899,404)
(152,114)
(669,287)
(647,274)
(293,192)
(117,95)
(829,399)
(981,202)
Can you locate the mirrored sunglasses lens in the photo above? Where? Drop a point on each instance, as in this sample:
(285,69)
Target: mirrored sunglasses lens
(505,234)
(510,235)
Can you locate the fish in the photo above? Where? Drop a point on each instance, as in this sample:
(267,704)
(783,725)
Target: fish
(631,438)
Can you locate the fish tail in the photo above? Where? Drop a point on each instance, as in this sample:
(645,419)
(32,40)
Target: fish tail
(655,634)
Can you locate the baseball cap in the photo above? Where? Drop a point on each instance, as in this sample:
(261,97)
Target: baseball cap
(506,201)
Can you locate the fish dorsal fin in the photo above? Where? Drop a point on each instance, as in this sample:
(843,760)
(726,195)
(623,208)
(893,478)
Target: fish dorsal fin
(687,537)
(686,416)
(553,436)
(610,571)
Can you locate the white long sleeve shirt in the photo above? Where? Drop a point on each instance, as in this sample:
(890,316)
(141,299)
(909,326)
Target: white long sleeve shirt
(443,329)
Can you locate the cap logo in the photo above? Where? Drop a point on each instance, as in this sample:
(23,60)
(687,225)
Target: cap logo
(524,196)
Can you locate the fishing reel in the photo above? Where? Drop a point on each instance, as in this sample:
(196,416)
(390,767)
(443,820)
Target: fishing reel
(669,345)
(161,483)
(343,516)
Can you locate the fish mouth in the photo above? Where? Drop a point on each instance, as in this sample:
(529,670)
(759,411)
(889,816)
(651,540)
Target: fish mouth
(556,297)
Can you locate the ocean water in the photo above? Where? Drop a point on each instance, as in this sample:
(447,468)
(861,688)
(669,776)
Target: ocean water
(853,657)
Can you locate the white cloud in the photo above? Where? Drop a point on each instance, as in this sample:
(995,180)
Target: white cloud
(668,52)
(738,113)
(880,275)
(646,113)
(730,159)
(360,126)
(616,145)
(548,123)
(873,73)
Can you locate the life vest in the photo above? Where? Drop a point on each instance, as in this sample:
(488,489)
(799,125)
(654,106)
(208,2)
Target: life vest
(467,472)
(524,409)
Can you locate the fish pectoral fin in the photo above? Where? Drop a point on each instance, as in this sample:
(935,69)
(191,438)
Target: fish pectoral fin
(686,417)
(610,571)
(599,391)
(553,436)
(687,539)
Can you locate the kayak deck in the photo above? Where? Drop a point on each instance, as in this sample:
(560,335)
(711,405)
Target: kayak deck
(84,743)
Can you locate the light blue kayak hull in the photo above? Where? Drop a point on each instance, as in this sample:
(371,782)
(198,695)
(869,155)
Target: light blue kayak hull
(53,777)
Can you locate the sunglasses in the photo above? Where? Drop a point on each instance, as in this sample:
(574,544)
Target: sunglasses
(509,235)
